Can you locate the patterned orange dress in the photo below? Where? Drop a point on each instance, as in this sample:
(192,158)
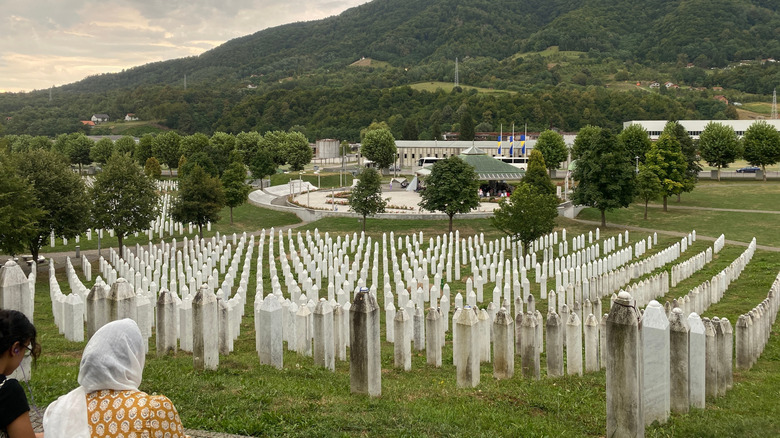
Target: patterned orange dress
(132,414)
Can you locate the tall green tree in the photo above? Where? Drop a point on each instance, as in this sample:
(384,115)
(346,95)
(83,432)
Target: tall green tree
(761,145)
(195,143)
(235,186)
(527,215)
(275,142)
(553,149)
(102,150)
(123,198)
(536,175)
(688,149)
(466,126)
(18,212)
(166,148)
(719,145)
(379,147)
(648,186)
(125,145)
(247,144)
(77,148)
(637,141)
(59,193)
(666,161)
(588,135)
(262,164)
(143,150)
(604,175)
(366,197)
(223,147)
(451,188)
(410,131)
(152,168)
(297,151)
(200,199)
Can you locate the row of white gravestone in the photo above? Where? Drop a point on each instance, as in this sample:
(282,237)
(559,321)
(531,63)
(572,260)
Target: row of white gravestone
(657,364)
(17,292)
(684,270)
(719,243)
(754,328)
(698,299)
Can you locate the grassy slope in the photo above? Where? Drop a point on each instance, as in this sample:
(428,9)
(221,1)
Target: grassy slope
(304,400)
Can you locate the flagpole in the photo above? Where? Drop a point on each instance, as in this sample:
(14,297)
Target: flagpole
(500,134)
(525,137)
(512,143)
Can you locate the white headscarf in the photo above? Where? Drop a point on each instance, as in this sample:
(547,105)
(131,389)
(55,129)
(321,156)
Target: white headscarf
(113,359)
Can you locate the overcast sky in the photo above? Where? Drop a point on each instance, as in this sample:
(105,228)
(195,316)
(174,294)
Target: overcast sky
(56,42)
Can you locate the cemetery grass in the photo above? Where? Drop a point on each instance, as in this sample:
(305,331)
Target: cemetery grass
(739,226)
(246,217)
(304,400)
(743,195)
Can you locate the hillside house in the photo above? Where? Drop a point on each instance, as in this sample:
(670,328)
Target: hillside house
(99,118)
(89,123)
(655,85)
(130,117)
(721,98)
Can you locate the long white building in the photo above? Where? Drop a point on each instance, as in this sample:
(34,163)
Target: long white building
(695,127)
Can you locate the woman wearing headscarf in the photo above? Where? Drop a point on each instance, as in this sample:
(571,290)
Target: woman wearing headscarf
(108,402)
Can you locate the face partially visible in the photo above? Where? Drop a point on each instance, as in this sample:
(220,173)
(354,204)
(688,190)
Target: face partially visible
(17,353)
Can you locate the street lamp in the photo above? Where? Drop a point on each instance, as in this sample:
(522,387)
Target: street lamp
(637,163)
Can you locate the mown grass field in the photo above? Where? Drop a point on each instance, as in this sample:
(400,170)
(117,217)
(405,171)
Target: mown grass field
(448,86)
(303,400)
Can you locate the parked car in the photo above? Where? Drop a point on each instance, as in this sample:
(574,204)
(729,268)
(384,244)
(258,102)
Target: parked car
(748,169)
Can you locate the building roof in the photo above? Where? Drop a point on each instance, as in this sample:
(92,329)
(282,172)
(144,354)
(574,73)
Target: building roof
(487,168)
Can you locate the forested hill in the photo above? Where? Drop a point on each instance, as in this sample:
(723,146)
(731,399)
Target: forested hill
(413,32)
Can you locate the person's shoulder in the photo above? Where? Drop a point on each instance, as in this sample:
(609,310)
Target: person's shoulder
(13,386)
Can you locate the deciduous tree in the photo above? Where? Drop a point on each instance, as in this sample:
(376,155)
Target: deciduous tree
(200,199)
(451,188)
(297,151)
(636,140)
(18,212)
(536,175)
(688,149)
(648,186)
(59,193)
(77,148)
(379,147)
(762,145)
(166,148)
(152,168)
(604,175)
(235,186)
(143,150)
(719,145)
(123,198)
(527,215)
(125,145)
(666,161)
(366,197)
(553,149)
(102,150)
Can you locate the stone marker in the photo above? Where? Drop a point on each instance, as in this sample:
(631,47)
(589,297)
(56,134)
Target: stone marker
(554,345)
(98,313)
(303,335)
(711,360)
(121,301)
(468,351)
(678,358)
(269,334)
(340,333)
(205,326)
(402,348)
(591,344)
(530,355)
(503,345)
(365,366)
(323,335)
(165,326)
(433,337)
(573,345)
(696,361)
(624,370)
(419,329)
(655,341)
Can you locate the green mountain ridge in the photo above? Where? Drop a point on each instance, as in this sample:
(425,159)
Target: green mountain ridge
(410,32)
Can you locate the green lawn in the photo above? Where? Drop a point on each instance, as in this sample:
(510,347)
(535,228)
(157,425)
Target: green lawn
(448,86)
(745,195)
(304,400)
(247,217)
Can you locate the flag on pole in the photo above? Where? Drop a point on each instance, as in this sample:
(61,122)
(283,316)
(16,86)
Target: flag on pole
(500,134)
(511,145)
(522,143)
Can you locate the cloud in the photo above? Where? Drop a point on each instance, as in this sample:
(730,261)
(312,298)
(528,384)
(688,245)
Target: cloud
(55,42)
